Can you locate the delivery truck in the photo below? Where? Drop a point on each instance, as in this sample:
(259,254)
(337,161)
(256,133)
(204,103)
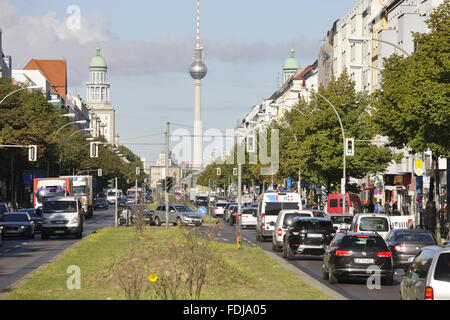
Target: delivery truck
(44,188)
(82,188)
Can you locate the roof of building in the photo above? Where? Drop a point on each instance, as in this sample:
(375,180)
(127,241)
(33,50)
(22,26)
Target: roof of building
(98,61)
(55,71)
(300,75)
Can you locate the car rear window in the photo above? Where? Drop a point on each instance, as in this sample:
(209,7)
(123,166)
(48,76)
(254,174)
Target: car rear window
(314,225)
(289,217)
(410,237)
(223,205)
(363,242)
(442,272)
(274,208)
(249,211)
(373,224)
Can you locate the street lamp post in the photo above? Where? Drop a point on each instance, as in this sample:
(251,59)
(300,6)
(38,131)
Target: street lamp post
(25,88)
(344,179)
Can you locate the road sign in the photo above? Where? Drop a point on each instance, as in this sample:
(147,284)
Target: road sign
(419,171)
(32,153)
(202,210)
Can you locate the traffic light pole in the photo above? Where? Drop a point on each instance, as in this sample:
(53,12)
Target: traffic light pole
(166,192)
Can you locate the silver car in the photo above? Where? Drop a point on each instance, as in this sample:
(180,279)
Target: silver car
(179,214)
(428,277)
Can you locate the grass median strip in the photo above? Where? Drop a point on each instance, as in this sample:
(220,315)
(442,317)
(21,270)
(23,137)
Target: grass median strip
(244,274)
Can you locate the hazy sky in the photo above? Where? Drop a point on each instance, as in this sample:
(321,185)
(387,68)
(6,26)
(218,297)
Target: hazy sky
(149,44)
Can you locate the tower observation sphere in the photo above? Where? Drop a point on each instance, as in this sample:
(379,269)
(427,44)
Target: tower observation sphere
(198,69)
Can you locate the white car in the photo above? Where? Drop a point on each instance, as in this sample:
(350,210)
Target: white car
(219,208)
(428,277)
(372,222)
(284,220)
(248,217)
(341,222)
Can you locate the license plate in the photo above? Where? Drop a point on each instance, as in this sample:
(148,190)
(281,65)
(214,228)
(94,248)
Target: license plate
(314,235)
(364,261)
(59,231)
(12,231)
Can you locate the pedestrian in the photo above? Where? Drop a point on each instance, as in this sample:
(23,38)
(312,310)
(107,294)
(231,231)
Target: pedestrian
(395,209)
(371,207)
(405,209)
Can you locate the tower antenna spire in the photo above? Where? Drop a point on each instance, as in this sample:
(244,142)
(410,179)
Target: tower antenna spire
(198,23)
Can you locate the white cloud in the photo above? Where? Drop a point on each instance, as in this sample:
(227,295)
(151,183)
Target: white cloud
(48,37)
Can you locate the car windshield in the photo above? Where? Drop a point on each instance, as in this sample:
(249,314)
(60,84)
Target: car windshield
(183,209)
(274,208)
(363,241)
(442,272)
(374,224)
(223,205)
(414,237)
(17,217)
(78,191)
(60,206)
(111,194)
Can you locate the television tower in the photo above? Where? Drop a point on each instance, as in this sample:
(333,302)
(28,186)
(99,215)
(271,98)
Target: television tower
(198,71)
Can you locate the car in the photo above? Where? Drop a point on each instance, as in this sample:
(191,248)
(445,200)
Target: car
(372,222)
(341,222)
(121,201)
(131,199)
(35,216)
(270,205)
(219,208)
(17,224)
(428,276)
(62,216)
(353,254)
(179,214)
(132,210)
(248,217)
(101,196)
(406,243)
(307,235)
(148,198)
(201,201)
(284,220)
(230,214)
(101,203)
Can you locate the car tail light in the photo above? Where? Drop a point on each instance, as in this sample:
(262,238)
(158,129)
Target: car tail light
(280,232)
(384,254)
(429,293)
(216,208)
(362,236)
(296,245)
(356,228)
(342,253)
(400,248)
(263,219)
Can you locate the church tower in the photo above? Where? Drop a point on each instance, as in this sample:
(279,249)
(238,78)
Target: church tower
(291,67)
(98,96)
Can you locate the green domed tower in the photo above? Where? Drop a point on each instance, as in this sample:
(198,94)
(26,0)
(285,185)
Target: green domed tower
(291,66)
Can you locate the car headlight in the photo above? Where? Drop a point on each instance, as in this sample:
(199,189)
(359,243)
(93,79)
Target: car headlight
(74,220)
(22,227)
(45,220)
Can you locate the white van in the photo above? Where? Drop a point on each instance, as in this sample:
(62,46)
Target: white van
(270,205)
(284,220)
(62,216)
(372,222)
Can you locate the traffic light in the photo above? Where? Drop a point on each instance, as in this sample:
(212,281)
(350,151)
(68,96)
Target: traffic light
(350,147)
(169,184)
(32,153)
(111,184)
(94,150)
(250,144)
(100,172)
(235,171)
(219,171)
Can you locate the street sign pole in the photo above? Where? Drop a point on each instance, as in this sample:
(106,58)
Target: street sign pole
(116,211)
(166,192)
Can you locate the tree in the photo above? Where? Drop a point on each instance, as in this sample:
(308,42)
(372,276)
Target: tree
(413,105)
(311,137)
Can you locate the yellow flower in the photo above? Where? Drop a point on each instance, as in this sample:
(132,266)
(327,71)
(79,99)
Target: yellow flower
(153,277)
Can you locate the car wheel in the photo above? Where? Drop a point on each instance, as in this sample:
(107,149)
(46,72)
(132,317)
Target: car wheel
(388,280)
(325,275)
(290,253)
(178,223)
(278,248)
(284,252)
(157,222)
(274,247)
(258,236)
(332,276)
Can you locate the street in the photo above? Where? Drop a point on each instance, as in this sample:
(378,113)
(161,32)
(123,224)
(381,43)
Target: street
(18,257)
(312,265)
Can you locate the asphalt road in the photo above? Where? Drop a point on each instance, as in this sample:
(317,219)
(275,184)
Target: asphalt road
(354,289)
(18,257)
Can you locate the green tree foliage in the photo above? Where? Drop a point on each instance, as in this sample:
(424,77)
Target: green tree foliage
(413,105)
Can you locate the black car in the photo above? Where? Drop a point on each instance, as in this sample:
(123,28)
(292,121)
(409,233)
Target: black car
(406,243)
(17,224)
(351,254)
(307,235)
(201,201)
(35,216)
(101,203)
(121,201)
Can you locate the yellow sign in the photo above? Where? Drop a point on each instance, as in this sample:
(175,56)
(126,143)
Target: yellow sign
(418,164)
